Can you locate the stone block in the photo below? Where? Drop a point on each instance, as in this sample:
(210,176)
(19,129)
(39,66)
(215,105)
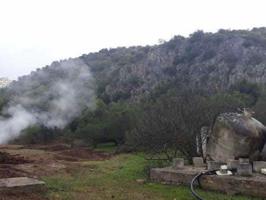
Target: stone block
(174,176)
(178,163)
(198,162)
(20,184)
(258,165)
(244,169)
(234,135)
(249,186)
(243,160)
(232,164)
(214,165)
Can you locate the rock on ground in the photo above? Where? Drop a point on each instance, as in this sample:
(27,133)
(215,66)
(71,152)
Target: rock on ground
(234,136)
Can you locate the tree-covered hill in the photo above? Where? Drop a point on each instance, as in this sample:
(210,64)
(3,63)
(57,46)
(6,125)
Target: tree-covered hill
(210,60)
(156,96)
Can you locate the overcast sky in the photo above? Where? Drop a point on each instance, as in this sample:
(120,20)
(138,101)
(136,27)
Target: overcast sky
(34,33)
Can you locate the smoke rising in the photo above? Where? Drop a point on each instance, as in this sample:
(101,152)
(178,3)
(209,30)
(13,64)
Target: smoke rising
(52,97)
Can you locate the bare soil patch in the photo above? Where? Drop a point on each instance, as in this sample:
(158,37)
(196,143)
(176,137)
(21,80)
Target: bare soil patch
(76,154)
(7,171)
(51,147)
(21,196)
(6,158)
(43,160)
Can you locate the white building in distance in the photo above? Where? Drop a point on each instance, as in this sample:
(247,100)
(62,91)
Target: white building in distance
(4,82)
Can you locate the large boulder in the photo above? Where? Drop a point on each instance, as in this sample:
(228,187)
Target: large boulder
(235,135)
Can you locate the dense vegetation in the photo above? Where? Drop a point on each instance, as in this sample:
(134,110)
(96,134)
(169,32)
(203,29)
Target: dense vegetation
(158,98)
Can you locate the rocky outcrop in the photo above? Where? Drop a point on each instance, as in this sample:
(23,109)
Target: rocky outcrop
(234,136)
(213,61)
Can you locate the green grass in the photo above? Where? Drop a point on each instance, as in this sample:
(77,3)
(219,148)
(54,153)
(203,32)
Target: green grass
(116,179)
(106,147)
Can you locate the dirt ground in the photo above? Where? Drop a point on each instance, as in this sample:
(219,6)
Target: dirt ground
(38,160)
(21,196)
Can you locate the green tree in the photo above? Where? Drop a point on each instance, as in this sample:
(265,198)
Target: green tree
(108,123)
(171,124)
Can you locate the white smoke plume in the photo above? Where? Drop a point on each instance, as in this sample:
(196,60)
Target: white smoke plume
(51,97)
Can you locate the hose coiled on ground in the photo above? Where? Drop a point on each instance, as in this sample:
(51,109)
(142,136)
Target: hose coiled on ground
(197,178)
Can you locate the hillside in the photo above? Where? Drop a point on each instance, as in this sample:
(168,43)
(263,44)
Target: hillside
(104,96)
(211,60)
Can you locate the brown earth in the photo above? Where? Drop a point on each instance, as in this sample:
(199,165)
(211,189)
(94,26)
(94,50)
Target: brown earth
(21,196)
(8,172)
(51,147)
(83,154)
(38,161)
(6,158)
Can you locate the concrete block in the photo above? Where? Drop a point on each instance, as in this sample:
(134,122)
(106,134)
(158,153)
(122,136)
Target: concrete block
(174,176)
(258,165)
(244,169)
(243,160)
(198,162)
(178,163)
(232,164)
(249,186)
(20,184)
(214,165)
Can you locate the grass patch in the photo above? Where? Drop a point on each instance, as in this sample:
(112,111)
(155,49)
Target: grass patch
(106,147)
(116,179)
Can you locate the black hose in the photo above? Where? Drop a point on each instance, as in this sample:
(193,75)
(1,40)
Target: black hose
(197,178)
